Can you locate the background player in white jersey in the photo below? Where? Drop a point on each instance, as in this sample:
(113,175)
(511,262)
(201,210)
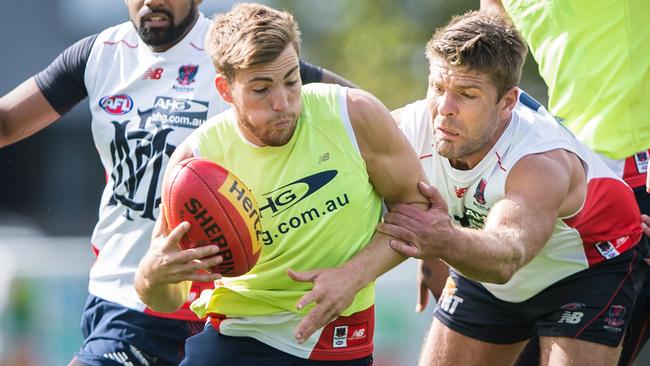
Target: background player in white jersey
(149,84)
(541,236)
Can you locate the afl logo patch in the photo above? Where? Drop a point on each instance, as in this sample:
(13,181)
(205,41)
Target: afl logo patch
(116,104)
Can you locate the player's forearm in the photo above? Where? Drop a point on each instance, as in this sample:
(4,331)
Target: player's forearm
(374,260)
(24,111)
(485,256)
(165,298)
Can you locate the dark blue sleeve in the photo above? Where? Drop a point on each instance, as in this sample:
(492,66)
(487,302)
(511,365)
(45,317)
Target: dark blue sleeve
(62,82)
(310,73)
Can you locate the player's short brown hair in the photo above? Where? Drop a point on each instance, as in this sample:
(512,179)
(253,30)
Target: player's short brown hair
(483,41)
(249,35)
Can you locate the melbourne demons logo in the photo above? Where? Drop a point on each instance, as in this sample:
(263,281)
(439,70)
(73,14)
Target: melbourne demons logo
(138,158)
(615,318)
(186,74)
(479,194)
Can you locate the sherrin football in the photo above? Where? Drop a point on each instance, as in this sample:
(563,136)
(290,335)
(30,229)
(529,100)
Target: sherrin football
(221,210)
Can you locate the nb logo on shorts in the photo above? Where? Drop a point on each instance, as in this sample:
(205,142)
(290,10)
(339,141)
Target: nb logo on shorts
(571,317)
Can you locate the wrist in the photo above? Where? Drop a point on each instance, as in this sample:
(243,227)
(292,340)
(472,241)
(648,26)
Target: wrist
(359,274)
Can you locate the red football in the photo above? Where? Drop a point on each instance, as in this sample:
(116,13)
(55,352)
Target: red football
(221,210)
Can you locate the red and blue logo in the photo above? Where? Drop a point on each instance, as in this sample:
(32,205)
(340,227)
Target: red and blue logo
(116,104)
(479,194)
(186,74)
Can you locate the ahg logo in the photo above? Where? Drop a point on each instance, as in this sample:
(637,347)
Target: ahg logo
(287,196)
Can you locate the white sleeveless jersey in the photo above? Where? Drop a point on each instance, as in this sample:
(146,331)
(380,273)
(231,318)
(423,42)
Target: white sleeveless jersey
(607,224)
(143,105)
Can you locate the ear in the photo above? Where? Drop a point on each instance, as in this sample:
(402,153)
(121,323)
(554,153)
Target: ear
(223,87)
(508,102)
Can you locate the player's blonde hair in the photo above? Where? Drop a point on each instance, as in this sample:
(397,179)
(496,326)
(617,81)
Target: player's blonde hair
(248,35)
(483,41)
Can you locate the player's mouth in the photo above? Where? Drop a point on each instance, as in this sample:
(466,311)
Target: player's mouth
(285,123)
(156,20)
(446,133)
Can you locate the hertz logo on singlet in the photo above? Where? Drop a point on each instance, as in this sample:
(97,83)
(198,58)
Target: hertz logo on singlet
(245,205)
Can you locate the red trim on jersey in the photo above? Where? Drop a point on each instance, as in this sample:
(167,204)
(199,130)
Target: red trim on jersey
(185,313)
(121,41)
(499,162)
(195,46)
(609,222)
(346,338)
(633,172)
(181,314)
(426,156)
(215,320)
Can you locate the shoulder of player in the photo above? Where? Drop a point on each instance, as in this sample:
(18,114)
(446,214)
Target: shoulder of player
(549,170)
(374,128)
(411,114)
(119,33)
(364,110)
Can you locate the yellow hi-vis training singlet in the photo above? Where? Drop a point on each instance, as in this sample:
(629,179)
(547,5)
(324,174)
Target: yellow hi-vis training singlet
(316,202)
(594,57)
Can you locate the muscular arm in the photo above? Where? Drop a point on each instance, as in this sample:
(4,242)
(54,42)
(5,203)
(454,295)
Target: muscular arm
(539,189)
(24,111)
(394,171)
(164,276)
(518,226)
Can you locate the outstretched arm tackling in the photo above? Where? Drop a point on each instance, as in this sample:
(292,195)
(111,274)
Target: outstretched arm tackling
(539,189)
(23,112)
(394,171)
